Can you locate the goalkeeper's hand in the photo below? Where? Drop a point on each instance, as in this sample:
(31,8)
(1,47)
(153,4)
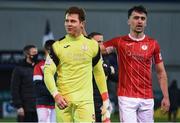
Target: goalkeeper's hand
(60,101)
(106,111)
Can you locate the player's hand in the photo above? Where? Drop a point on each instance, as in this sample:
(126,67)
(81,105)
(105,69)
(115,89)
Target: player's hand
(60,101)
(109,50)
(20,111)
(165,104)
(106,111)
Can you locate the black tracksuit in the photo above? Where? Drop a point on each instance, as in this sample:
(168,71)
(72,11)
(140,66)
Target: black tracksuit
(108,61)
(22,91)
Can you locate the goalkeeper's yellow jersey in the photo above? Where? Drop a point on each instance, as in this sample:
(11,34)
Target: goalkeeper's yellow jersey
(73,60)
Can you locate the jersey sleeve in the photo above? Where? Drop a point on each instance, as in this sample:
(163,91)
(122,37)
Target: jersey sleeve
(15,88)
(54,53)
(111,43)
(99,75)
(157,54)
(49,72)
(37,74)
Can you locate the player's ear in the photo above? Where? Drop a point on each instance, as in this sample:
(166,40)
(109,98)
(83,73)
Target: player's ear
(83,24)
(83,28)
(145,23)
(128,22)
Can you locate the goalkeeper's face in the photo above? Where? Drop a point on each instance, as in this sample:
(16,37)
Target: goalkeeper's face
(73,25)
(137,22)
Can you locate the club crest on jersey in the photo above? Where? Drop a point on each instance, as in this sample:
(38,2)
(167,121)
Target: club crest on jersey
(84,47)
(144,47)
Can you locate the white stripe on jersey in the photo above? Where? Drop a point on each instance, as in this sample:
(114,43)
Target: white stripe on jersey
(37,77)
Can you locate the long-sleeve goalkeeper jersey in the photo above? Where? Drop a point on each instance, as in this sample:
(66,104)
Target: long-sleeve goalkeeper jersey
(75,59)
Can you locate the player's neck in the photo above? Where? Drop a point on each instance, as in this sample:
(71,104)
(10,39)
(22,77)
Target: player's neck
(72,37)
(136,36)
(75,35)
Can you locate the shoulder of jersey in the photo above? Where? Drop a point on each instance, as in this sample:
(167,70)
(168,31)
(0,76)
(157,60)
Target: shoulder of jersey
(41,62)
(92,42)
(87,37)
(124,37)
(60,39)
(150,38)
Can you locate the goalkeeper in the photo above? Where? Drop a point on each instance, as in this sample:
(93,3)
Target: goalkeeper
(73,57)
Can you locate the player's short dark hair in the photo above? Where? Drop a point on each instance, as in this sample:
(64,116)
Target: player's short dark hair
(92,34)
(27,48)
(48,44)
(77,10)
(139,8)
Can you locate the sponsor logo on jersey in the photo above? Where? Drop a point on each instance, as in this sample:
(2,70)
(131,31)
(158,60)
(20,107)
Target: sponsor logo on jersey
(66,46)
(129,44)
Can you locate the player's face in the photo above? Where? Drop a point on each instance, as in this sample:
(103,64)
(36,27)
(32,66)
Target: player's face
(73,25)
(137,22)
(98,38)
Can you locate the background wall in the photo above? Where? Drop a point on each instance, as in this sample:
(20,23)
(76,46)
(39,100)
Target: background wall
(23,23)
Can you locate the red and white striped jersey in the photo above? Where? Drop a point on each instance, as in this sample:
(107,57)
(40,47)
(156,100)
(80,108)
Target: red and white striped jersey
(135,62)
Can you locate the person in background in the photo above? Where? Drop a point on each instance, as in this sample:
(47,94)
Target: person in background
(109,70)
(74,57)
(22,89)
(44,101)
(174,99)
(136,53)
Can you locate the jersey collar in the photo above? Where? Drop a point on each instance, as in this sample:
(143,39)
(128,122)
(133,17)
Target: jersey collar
(74,38)
(136,39)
